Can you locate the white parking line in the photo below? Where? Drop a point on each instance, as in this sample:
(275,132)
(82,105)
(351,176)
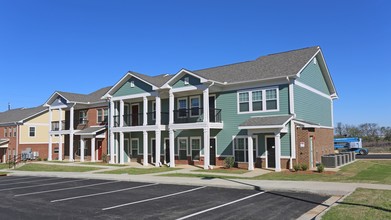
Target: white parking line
(216,207)
(32,181)
(46,184)
(146,200)
(19,178)
(103,193)
(55,190)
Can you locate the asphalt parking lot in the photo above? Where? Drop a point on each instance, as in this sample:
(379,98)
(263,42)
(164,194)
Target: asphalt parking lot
(31,197)
(374,156)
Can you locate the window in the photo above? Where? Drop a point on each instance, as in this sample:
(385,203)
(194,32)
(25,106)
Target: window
(153,110)
(83,117)
(100,115)
(31,131)
(271,99)
(105,114)
(244,105)
(259,100)
(195,148)
(56,150)
(195,106)
(55,126)
(5,132)
(182,148)
(14,130)
(186,80)
(10,131)
(241,149)
(182,107)
(131,84)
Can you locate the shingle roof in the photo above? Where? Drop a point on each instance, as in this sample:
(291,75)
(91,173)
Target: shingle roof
(89,98)
(19,114)
(265,67)
(266,121)
(158,80)
(90,130)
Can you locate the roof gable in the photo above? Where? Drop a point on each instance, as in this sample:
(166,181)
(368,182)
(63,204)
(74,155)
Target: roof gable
(133,86)
(19,115)
(179,76)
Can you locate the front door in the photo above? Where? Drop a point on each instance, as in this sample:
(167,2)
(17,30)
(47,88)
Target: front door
(183,149)
(153,150)
(271,152)
(135,115)
(212,152)
(311,152)
(212,110)
(167,150)
(99,150)
(134,152)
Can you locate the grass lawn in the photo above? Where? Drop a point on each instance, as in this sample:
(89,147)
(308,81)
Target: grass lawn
(2,173)
(138,171)
(362,204)
(103,164)
(222,170)
(55,168)
(4,166)
(363,171)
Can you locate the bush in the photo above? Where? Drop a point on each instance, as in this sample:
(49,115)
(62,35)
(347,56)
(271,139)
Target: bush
(320,168)
(39,159)
(45,159)
(304,167)
(296,167)
(229,162)
(104,158)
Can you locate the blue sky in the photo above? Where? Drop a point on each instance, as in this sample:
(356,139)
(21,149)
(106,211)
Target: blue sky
(80,46)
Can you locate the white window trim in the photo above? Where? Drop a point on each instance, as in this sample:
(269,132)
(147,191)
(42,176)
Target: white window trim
(187,104)
(35,131)
(132,84)
(138,145)
(5,132)
(249,91)
(97,115)
(191,146)
(255,145)
(199,106)
(83,118)
(186,80)
(187,145)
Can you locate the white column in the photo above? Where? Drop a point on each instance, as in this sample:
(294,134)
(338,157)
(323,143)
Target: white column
(157,145)
(293,144)
(277,140)
(50,150)
(111,147)
(71,128)
(158,110)
(250,149)
(81,149)
(60,119)
(121,113)
(120,154)
(171,109)
(172,148)
(145,110)
(145,148)
(205,94)
(93,149)
(206,148)
(60,147)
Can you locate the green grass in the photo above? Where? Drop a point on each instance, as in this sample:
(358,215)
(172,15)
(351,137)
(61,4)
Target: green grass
(57,161)
(55,168)
(103,164)
(362,204)
(363,171)
(231,171)
(138,171)
(4,166)
(3,173)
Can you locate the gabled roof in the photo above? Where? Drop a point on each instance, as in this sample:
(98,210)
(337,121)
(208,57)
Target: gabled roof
(93,97)
(279,65)
(20,114)
(91,130)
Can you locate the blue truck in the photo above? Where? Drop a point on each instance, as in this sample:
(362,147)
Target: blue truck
(350,144)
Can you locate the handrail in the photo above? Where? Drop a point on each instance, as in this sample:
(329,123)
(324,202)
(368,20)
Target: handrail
(14,160)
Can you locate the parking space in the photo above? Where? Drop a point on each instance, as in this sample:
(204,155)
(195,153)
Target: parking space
(65,198)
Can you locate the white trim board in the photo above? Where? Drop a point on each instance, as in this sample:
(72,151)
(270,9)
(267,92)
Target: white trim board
(311,89)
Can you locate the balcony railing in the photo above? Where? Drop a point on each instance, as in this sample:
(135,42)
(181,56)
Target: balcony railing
(56,125)
(133,119)
(193,115)
(152,118)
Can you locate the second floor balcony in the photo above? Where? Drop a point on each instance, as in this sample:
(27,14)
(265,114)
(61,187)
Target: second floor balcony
(193,115)
(56,125)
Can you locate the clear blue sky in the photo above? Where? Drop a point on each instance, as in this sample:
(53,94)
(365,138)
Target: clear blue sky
(80,46)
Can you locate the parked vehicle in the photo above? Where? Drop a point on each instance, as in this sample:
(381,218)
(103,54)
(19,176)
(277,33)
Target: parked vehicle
(350,144)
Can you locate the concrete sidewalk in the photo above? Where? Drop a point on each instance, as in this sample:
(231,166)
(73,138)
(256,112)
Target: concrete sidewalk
(326,188)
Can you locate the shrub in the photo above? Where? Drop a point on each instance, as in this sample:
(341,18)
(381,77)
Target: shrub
(320,168)
(304,167)
(229,162)
(104,158)
(45,159)
(39,159)
(296,167)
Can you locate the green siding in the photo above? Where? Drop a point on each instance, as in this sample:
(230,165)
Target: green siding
(139,87)
(312,76)
(192,81)
(312,107)
(227,101)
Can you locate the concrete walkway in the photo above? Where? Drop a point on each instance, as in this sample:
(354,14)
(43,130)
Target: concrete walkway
(327,188)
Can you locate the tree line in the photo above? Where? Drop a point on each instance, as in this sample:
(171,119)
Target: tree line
(369,132)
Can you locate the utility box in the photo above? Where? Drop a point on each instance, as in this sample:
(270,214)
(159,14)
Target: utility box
(329,161)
